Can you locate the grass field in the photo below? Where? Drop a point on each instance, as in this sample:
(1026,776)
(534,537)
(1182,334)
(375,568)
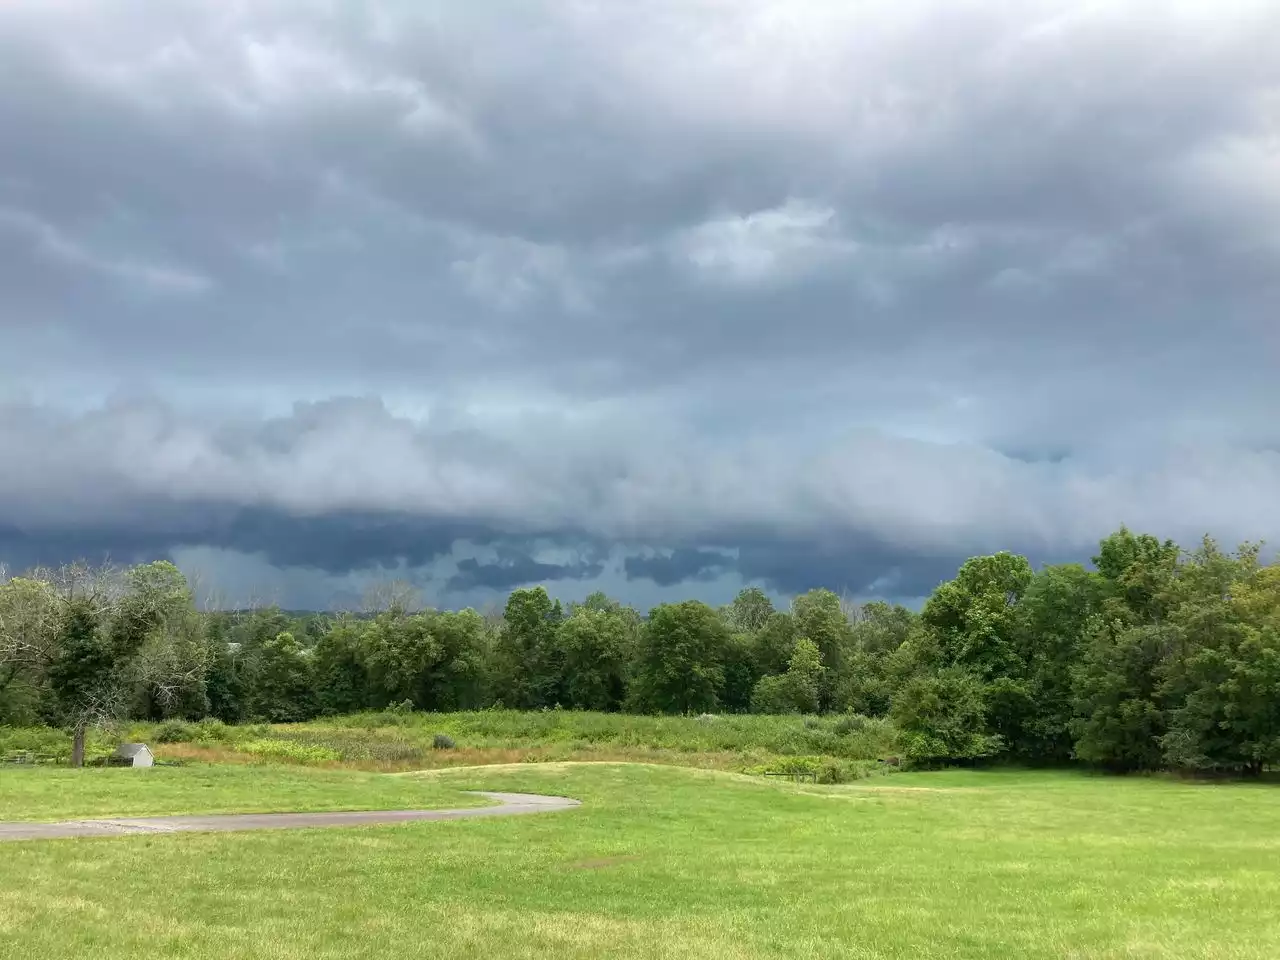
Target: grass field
(839,748)
(58,793)
(662,861)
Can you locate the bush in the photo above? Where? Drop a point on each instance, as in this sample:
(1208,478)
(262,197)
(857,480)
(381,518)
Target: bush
(210,730)
(442,741)
(849,723)
(175,731)
(35,742)
(942,717)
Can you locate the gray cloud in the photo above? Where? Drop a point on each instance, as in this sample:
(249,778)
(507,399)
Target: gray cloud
(680,565)
(843,293)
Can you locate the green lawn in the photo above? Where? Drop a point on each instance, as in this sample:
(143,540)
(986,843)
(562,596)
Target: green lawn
(59,793)
(672,862)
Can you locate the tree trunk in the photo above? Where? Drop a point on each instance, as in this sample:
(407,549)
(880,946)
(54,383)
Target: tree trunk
(77,747)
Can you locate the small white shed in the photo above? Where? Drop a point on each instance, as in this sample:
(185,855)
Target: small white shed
(134,755)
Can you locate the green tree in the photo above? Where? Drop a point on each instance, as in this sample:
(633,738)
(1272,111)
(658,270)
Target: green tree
(750,610)
(120,638)
(797,690)
(773,643)
(531,667)
(975,615)
(1053,616)
(942,717)
(434,660)
(680,667)
(1120,716)
(879,628)
(341,674)
(458,680)
(1221,686)
(30,620)
(595,645)
(820,617)
(281,688)
(84,672)
(1139,568)
(879,632)
(1118,721)
(741,672)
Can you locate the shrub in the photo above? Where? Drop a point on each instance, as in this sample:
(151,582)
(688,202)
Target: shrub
(943,718)
(210,730)
(442,741)
(849,723)
(175,731)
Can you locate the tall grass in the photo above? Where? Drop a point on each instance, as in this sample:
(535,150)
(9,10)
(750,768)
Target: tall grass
(837,747)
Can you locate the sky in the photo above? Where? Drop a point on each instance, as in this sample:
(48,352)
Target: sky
(661,297)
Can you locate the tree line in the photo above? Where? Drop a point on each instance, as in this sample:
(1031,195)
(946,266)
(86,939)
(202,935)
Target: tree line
(1153,658)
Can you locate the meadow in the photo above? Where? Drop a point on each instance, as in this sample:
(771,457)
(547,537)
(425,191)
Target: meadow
(59,793)
(834,748)
(660,861)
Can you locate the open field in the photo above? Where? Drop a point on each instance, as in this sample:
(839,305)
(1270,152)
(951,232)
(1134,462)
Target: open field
(58,793)
(839,748)
(669,862)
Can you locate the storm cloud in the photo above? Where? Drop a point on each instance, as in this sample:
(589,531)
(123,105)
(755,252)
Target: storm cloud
(660,298)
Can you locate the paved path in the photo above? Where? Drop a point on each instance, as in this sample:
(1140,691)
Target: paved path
(508,804)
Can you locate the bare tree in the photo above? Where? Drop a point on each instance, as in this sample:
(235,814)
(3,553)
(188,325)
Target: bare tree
(383,596)
(30,616)
(851,607)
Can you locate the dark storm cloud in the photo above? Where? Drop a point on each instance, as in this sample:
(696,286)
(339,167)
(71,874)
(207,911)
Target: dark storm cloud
(844,292)
(682,564)
(515,570)
(334,543)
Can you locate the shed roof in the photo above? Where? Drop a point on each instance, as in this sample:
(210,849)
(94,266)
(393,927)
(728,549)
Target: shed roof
(131,749)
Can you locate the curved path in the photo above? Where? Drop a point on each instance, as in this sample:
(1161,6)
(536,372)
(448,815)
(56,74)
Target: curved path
(508,804)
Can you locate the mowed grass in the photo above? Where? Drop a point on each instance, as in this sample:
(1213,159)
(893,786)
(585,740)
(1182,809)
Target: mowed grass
(671,862)
(54,793)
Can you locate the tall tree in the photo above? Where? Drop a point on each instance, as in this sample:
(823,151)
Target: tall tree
(820,617)
(974,616)
(595,646)
(1053,616)
(1221,685)
(30,620)
(341,673)
(281,686)
(1119,721)
(774,642)
(531,668)
(680,667)
(750,609)
(796,691)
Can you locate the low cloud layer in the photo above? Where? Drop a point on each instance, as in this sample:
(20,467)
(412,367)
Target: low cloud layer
(663,298)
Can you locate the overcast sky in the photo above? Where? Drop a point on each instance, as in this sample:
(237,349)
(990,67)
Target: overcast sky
(657,296)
